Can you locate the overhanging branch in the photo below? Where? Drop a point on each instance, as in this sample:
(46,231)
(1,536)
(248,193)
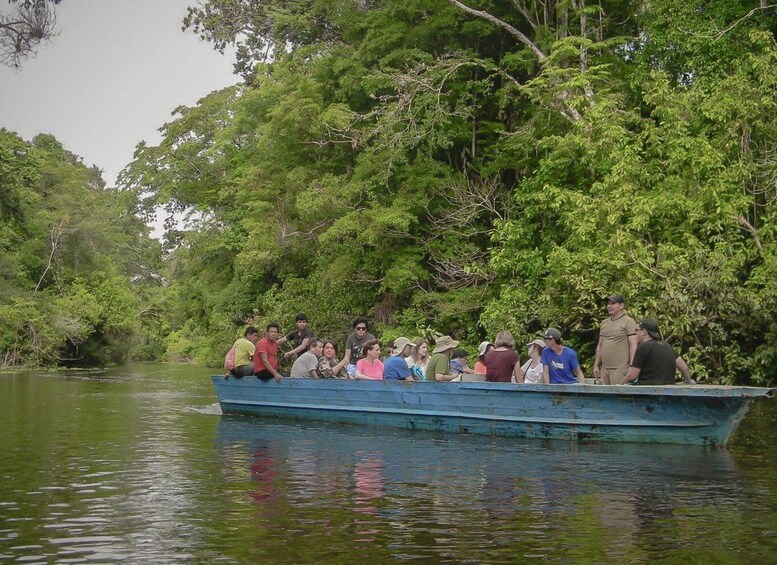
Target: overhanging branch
(504,25)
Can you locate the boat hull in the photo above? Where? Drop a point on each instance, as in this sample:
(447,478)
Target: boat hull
(697,415)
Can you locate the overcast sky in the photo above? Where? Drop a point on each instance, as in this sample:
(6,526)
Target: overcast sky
(111,78)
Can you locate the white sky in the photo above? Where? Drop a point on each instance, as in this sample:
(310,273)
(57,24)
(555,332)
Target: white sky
(111,78)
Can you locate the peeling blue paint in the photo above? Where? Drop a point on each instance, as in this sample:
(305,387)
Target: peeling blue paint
(700,415)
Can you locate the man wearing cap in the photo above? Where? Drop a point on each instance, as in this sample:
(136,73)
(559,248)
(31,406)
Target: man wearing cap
(395,367)
(439,367)
(300,338)
(559,363)
(617,343)
(655,362)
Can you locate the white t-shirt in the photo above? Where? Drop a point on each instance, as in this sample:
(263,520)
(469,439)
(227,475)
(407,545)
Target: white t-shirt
(532,375)
(418,370)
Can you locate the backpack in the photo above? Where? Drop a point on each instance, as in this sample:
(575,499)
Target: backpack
(229,360)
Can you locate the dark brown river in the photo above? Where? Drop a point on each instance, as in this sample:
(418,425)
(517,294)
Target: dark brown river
(136,464)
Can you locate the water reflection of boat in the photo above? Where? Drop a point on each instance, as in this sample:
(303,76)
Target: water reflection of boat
(697,415)
(315,462)
(339,445)
(431,496)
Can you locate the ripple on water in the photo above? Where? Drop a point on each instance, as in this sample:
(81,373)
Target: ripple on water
(151,476)
(209,410)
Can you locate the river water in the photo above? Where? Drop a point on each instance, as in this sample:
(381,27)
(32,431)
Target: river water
(137,464)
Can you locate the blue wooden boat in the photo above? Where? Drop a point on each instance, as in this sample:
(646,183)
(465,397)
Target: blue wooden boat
(697,415)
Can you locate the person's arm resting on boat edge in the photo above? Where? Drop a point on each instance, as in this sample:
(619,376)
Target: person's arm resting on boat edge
(442,377)
(685,371)
(270,368)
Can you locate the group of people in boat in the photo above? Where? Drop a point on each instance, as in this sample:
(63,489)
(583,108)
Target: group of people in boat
(627,353)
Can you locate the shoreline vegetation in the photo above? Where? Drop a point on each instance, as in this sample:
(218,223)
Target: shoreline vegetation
(447,166)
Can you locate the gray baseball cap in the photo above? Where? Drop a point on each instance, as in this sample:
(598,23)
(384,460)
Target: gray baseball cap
(552,333)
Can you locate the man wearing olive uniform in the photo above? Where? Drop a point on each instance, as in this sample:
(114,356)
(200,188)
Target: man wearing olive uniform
(617,343)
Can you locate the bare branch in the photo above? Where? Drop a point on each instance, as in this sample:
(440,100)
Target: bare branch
(743,18)
(749,227)
(21,31)
(521,7)
(55,239)
(453,274)
(504,25)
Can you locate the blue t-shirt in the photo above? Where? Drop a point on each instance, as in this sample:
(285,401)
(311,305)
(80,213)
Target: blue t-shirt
(396,368)
(561,368)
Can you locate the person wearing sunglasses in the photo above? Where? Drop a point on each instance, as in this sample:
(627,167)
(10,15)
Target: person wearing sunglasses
(355,342)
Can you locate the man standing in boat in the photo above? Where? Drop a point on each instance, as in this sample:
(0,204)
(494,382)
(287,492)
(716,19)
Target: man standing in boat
(395,367)
(266,355)
(617,343)
(299,338)
(655,362)
(559,363)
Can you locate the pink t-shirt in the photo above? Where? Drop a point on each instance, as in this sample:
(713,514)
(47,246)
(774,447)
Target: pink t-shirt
(371,370)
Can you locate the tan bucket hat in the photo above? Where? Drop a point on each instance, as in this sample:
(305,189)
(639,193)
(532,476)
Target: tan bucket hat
(400,343)
(444,343)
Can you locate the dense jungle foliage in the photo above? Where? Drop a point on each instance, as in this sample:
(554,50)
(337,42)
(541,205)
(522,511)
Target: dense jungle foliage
(77,269)
(440,166)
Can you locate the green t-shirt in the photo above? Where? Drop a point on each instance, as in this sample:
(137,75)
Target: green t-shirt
(439,363)
(244,352)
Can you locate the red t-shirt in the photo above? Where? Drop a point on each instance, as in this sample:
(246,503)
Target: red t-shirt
(271,349)
(499,365)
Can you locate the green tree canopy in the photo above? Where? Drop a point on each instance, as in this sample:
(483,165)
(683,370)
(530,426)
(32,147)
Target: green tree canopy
(473,166)
(77,263)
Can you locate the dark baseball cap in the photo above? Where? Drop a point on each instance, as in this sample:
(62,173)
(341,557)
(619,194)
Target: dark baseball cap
(552,333)
(651,327)
(616,299)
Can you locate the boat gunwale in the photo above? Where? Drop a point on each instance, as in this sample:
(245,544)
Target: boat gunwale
(715,391)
